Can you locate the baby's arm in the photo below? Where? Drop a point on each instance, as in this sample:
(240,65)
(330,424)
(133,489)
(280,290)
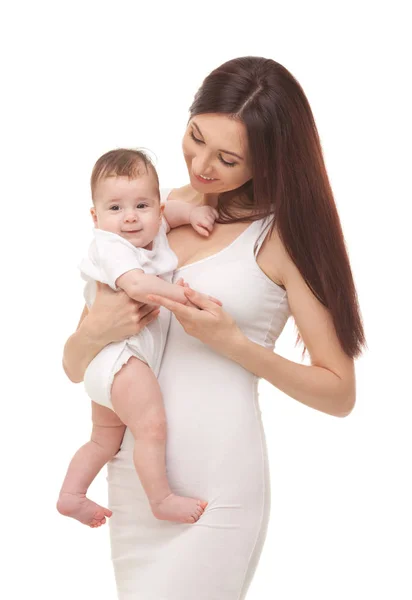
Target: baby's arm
(202,218)
(138,286)
(114,261)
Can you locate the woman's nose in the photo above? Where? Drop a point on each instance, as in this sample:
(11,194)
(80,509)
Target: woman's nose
(201,164)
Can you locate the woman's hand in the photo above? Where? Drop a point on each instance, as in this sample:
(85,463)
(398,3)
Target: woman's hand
(205,320)
(114,316)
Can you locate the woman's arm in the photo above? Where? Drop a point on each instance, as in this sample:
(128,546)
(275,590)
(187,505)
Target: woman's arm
(328,384)
(318,386)
(113,317)
(79,351)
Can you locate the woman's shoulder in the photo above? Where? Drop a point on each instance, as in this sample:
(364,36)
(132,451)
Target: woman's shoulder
(184,194)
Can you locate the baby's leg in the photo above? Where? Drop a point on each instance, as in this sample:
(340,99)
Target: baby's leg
(137,399)
(107,435)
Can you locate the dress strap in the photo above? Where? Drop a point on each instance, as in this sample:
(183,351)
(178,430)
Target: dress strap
(263,226)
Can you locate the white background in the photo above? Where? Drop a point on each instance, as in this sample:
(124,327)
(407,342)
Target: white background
(79,79)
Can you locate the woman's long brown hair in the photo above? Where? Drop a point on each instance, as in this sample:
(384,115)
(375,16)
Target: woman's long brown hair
(289,181)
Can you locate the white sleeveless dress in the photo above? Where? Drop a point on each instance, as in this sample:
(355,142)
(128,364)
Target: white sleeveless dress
(216,448)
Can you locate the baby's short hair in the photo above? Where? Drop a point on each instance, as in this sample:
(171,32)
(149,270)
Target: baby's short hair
(122,162)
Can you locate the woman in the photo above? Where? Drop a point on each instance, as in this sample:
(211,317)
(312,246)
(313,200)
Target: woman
(252,150)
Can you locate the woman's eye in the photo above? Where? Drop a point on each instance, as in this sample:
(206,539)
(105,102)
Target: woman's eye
(222,160)
(225,162)
(195,139)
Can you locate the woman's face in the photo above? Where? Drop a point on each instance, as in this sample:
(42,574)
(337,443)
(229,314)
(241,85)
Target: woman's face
(215,148)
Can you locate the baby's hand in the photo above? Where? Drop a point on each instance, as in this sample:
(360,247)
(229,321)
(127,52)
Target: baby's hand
(202,219)
(183,283)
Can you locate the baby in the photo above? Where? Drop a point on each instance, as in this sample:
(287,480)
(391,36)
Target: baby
(130,252)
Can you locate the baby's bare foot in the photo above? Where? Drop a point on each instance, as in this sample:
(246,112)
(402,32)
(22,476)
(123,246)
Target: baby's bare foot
(81,508)
(178,508)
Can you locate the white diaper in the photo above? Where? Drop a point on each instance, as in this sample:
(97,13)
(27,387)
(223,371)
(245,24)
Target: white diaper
(148,346)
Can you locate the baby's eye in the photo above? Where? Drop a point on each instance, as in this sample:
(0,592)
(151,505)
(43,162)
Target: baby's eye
(115,207)
(141,205)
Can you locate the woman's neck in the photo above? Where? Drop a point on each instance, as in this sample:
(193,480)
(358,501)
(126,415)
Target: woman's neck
(207,199)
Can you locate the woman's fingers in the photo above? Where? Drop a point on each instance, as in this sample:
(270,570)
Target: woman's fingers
(152,316)
(215,300)
(146,309)
(201,300)
(180,310)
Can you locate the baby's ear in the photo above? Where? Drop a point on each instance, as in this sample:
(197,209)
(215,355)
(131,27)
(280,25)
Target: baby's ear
(94,216)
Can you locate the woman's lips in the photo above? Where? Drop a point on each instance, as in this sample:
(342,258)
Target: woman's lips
(204,180)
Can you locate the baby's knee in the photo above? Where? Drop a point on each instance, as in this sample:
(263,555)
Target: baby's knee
(151,427)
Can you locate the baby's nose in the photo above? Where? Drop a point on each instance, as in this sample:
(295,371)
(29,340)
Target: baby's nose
(130,217)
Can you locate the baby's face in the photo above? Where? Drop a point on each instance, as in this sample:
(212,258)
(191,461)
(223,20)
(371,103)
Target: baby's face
(129,207)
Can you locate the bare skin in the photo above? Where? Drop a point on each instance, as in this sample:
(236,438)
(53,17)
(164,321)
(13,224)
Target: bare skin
(143,412)
(141,409)
(190,248)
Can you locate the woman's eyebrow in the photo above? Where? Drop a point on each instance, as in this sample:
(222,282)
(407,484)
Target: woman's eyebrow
(220,150)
